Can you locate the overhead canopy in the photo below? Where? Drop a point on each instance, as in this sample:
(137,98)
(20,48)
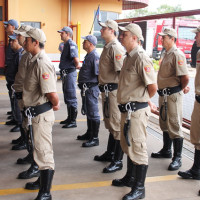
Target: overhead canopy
(134,4)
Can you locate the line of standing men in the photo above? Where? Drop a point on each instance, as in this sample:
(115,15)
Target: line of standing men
(114,84)
(133,99)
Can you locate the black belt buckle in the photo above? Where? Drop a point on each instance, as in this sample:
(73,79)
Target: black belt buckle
(109,86)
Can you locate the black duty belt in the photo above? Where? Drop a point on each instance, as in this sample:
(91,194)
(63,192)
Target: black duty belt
(169,90)
(197,97)
(129,108)
(133,106)
(165,93)
(109,86)
(33,111)
(88,85)
(18,95)
(67,71)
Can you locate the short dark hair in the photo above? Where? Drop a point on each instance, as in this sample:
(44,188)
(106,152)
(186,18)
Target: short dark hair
(115,33)
(70,34)
(172,37)
(41,45)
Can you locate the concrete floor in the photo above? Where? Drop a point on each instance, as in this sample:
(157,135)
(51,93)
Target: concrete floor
(77,176)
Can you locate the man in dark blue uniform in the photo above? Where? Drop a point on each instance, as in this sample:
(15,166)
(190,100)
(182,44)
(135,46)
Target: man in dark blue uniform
(88,83)
(69,61)
(10,26)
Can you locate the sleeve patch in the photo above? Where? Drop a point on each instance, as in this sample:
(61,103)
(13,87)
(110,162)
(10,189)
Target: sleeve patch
(45,76)
(147,68)
(118,56)
(97,61)
(72,47)
(198,61)
(180,62)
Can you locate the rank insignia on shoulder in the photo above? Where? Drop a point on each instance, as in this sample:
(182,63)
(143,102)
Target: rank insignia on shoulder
(45,76)
(147,68)
(180,62)
(118,56)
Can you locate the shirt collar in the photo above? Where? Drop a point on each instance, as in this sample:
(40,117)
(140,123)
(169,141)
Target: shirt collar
(92,52)
(134,51)
(34,58)
(172,49)
(111,43)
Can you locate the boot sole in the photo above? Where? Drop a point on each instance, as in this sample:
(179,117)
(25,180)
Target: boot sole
(82,138)
(155,156)
(90,146)
(121,185)
(29,177)
(24,162)
(32,188)
(188,177)
(107,172)
(69,127)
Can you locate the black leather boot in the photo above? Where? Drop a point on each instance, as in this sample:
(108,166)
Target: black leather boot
(87,135)
(33,171)
(10,117)
(176,160)
(194,172)
(9,113)
(22,144)
(138,189)
(33,185)
(68,117)
(11,122)
(166,151)
(26,160)
(108,155)
(116,164)
(46,178)
(15,129)
(128,179)
(94,140)
(73,115)
(17,141)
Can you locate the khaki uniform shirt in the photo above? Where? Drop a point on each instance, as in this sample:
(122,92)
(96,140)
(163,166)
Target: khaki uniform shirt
(197,78)
(110,63)
(137,72)
(19,78)
(172,66)
(40,79)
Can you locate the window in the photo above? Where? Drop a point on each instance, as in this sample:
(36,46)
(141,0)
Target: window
(33,24)
(1,13)
(185,33)
(104,16)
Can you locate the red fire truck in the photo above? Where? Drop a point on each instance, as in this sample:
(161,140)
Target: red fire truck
(185,37)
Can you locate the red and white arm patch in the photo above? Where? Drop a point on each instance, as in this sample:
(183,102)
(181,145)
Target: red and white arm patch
(45,76)
(180,63)
(147,68)
(118,56)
